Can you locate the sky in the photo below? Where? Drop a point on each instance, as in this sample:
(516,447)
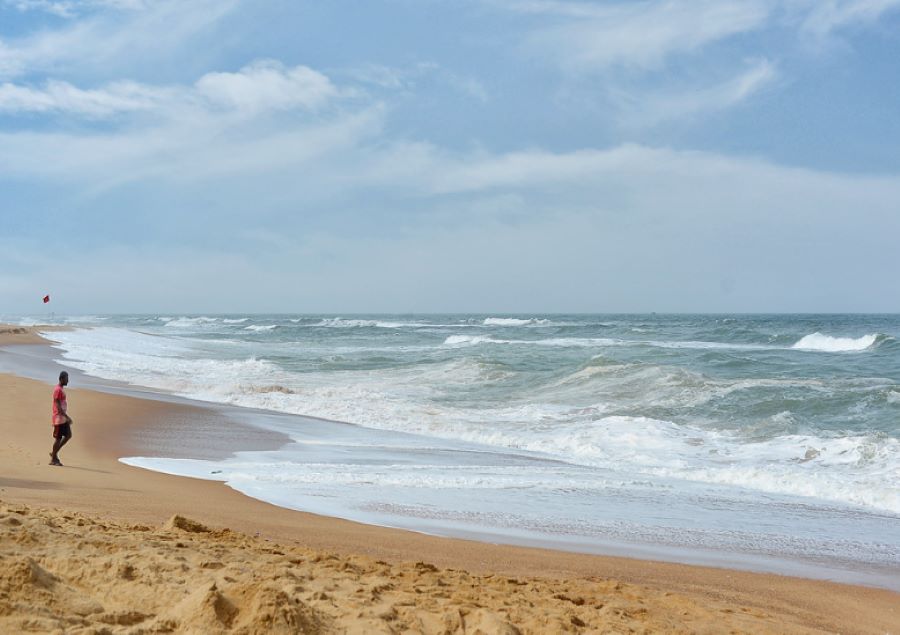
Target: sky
(503,156)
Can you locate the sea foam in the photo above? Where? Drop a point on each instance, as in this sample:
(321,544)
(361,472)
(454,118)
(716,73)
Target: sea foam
(826,343)
(673,427)
(640,414)
(515,322)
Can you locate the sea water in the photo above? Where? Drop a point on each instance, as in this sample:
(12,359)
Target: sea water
(765,441)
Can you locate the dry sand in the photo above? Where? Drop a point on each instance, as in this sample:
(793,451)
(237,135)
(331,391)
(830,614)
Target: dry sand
(92,548)
(76,573)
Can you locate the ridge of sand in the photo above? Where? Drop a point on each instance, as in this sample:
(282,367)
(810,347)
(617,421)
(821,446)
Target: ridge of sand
(77,573)
(13,334)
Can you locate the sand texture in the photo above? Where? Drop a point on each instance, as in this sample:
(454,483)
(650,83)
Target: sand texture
(22,334)
(89,548)
(74,573)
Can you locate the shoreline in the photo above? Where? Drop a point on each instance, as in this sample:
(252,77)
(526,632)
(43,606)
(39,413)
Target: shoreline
(94,481)
(327,443)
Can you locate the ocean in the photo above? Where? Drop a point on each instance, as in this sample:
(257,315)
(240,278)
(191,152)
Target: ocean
(769,442)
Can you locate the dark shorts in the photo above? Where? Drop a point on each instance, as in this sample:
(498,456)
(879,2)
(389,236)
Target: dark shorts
(62,430)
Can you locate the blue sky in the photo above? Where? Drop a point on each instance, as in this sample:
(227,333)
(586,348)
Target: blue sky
(449,155)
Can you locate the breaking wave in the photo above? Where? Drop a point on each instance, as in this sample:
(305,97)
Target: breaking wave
(348,324)
(515,322)
(673,407)
(826,343)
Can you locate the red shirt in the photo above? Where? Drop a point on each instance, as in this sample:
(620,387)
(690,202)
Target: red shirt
(59,398)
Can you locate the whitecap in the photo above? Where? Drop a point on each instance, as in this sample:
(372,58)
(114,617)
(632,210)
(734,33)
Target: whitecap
(514,322)
(187,322)
(345,323)
(469,340)
(826,343)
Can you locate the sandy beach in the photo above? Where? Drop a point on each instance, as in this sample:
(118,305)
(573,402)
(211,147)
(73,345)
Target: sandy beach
(98,546)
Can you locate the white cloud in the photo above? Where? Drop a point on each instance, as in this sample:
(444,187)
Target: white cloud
(627,45)
(407,79)
(637,35)
(225,124)
(62,97)
(104,41)
(183,151)
(260,87)
(827,16)
(645,34)
(391,77)
(651,108)
(266,85)
(624,43)
(71,8)
(61,9)
(524,170)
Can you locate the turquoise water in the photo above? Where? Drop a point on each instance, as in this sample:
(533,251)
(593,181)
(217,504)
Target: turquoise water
(771,435)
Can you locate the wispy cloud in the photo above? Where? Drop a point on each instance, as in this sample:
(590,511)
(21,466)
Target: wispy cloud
(62,97)
(391,77)
(634,48)
(263,86)
(586,37)
(106,40)
(407,79)
(72,8)
(191,152)
(644,35)
(826,16)
(653,107)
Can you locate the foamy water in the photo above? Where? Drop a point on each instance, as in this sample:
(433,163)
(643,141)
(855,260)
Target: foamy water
(828,344)
(737,434)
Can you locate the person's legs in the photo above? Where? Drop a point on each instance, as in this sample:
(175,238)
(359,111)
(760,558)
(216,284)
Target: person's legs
(57,444)
(62,434)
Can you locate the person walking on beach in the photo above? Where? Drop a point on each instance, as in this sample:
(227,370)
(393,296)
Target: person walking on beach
(62,422)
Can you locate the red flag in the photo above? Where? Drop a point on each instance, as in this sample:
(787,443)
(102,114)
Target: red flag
(46,299)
